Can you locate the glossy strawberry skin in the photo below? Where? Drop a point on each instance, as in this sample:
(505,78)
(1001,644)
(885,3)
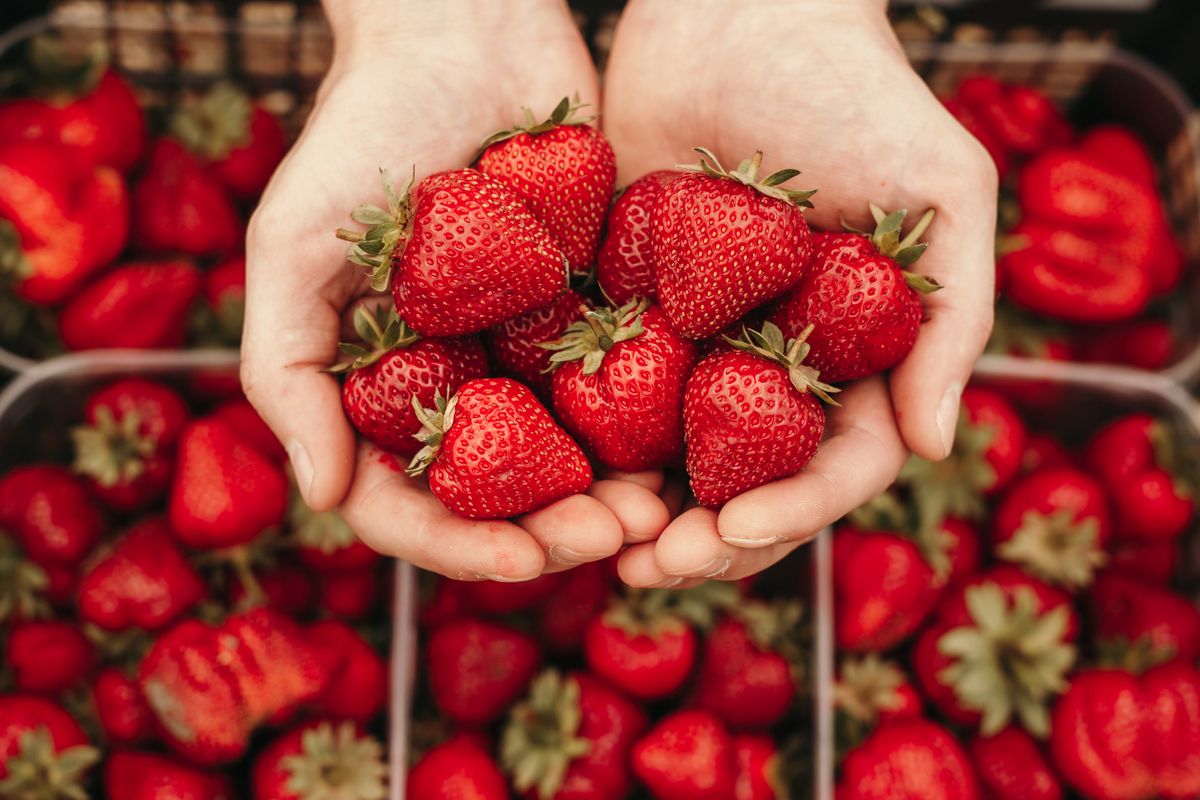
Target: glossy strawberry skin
(133,775)
(21,712)
(475,257)
(625,261)
(456,769)
(358,677)
(646,665)
(908,760)
(120,708)
(720,248)
(47,656)
(1011,767)
(1127,609)
(238,414)
(688,755)
(180,208)
(610,723)
(883,589)
(50,512)
(513,344)
(746,686)
(139,305)
(963,550)
(476,669)
(1022,120)
(745,425)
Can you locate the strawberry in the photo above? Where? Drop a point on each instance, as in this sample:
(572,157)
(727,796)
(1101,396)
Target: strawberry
(325,542)
(563,620)
(286,587)
(908,760)
(1121,149)
(688,755)
(397,369)
(960,540)
(457,769)
(50,512)
(758,762)
(43,751)
(225,493)
(564,170)
(870,691)
(751,415)
(319,760)
(1055,524)
(1129,611)
(120,708)
(138,305)
(968,119)
(1021,119)
(571,738)
(515,344)
(861,298)
(181,208)
(497,598)
(239,140)
(238,414)
(883,589)
(1011,767)
(725,242)
(348,594)
(1150,562)
(492,451)
(625,262)
(24,585)
(47,656)
(476,669)
(641,646)
(276,666)
(618,385)
(358,682)
(460,253)
(1140,464)
(1045,452)
(218,319)
(134,775)
(1149,344)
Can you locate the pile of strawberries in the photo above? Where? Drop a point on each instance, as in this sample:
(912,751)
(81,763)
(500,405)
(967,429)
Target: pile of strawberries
(113,234)
(174,621)
(1007,621)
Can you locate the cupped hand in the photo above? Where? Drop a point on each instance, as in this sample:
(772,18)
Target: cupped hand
(823,87)
(422,83)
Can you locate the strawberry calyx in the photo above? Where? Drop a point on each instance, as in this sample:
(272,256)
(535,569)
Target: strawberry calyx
(22,584)
(747,175)
(214,124)
(325,531)
(887,512)
(653,612)
(434,424)
(382,331)
(565,113)
(387,229)
(866,686)
(1010,661)
(1135,656)
(775,627)
(125,648)
(59,71)
(954,486)
(336,762)
(1016,333)
(1056,548)
(594,335)
(541,737)
(36,770)
(1177,458)
(112,451)
(904,251)
(790,354)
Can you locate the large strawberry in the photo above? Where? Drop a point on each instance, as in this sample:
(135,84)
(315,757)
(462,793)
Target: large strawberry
(135,775)
(139,305)
(1128,611)
(688,755)
(320,760)
(43,751)
(1011,766)
(515,345)
(47,656)
(571,738)
(121,711)
(476,669)
(456,769)
(908,760)
(618,385)
(50,512)
(861,298)
(625,261)
(641,645)
(1022,120)
(565,170)
(725,242)
(493,451)
(460,253)
(751,415)
(181,208)
(394,369)
(358,677)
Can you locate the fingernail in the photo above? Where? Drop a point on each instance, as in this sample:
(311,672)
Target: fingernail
(717,567)
(301,466)
(501,578)
(565,555)
(752,544)
(667,584)
(947,416)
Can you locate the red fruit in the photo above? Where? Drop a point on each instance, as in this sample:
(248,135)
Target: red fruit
(688,755)
(725,242)
(476,669)
(120,708)
(961,541)
(50,513)
(239,415)
(1136,459)
(1148,344)
(460,252)
(320,759)
(239,140)
(47,656)
(515,344)
(564,170)
(277,667)
(1150,562)
(751,415)
(870,691)
(1129,611)
(349,594)
(43,751)
(494,452)
(132,775)
(757,763)
(562,621)
(325,542)
(497,598)
(1120,149)
(457,769)
(358,676)
(968,119)
(139,305)
(641,647)
(287,588)
(1022,119)
(1045,452)
(217,322)
(908,760)
(225,493)
(625,261)
(883,587)
(1011,767)
(181,208)
(398,369)
(618,385)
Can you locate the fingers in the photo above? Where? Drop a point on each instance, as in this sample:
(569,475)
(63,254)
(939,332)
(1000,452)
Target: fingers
(573,531)
(637,567)
(691,548)
(640,512)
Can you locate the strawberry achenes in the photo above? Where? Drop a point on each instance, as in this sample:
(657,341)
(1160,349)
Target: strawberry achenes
(477,668)
(139,305)
(50,512)
(688,755)
(492,451)
(725,242)
(319,760)
(43,751)
(618,385)
(1012,767)
(515,345)
(181,208)
(625,262)
(456,769)
(908,760)
(133,775)
(565,171)
(47,656)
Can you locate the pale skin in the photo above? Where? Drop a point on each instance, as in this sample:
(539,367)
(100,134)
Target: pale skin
(816,85)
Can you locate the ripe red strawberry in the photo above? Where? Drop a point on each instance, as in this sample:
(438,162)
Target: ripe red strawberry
(1021,119)
(960,540)
(870,691)
(641,646)
(460,253)
(535,464)
(562,621)
(181,208)
(43,751)
(565,171)
(908,760)
(1121,149)
(1055,524)
(325,542)
(476,669)
(1149,344)
(725,242)
(751,415)
(625,261)
(571,738)
(861,298)
(1132,612)
(457,769)
(1011,767)
(1045,452)
(1150,562)
(238,414)
(276,666)
(618,385)
(47,656)
(133,775)
(120,708)
(688,755)
(239,140)
(515,344)
(138,305)
(758,762)
(1138,461)
(320,759)
(358,677)
(217,320)
(225,493)
(50,512)
(397,368)
(348,594)
(143,581)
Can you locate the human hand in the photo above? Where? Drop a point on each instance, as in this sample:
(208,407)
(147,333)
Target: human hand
(823,87)
(422,83)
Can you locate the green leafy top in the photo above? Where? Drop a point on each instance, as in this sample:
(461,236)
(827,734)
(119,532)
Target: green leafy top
(1057,548)
(867,686)
(769,344)
(541,739)
(60,71)
(38,772)
(594,335)
(22,583)
(651,611)
(214,124)
(434,424)
(906,251)
(336,764)
(955,485)
(565,113)
(112,451)
(387,230)
(747,174)
(14,264)
(382,331)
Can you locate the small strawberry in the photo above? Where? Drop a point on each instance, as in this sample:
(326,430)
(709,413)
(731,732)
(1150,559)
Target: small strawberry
(1149,344)
(625,261)
(133,775)
(358,682)
(325,542)
(181,208)
(752,415)
(320,760)
(50,512)
(1011,767)
(217,320)
(47,656)
(348,594)
(476,669)
(641,646)
(565,170)
(515,344)
(870,691)
(688,755)
(1132,612)
(138,305)
(725,242)
(120,708)
(908,760)
(618,385)
(563,620)
(460,253)
(492,451)
(457,769)
(398,369)
(238,414)
(43,751)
